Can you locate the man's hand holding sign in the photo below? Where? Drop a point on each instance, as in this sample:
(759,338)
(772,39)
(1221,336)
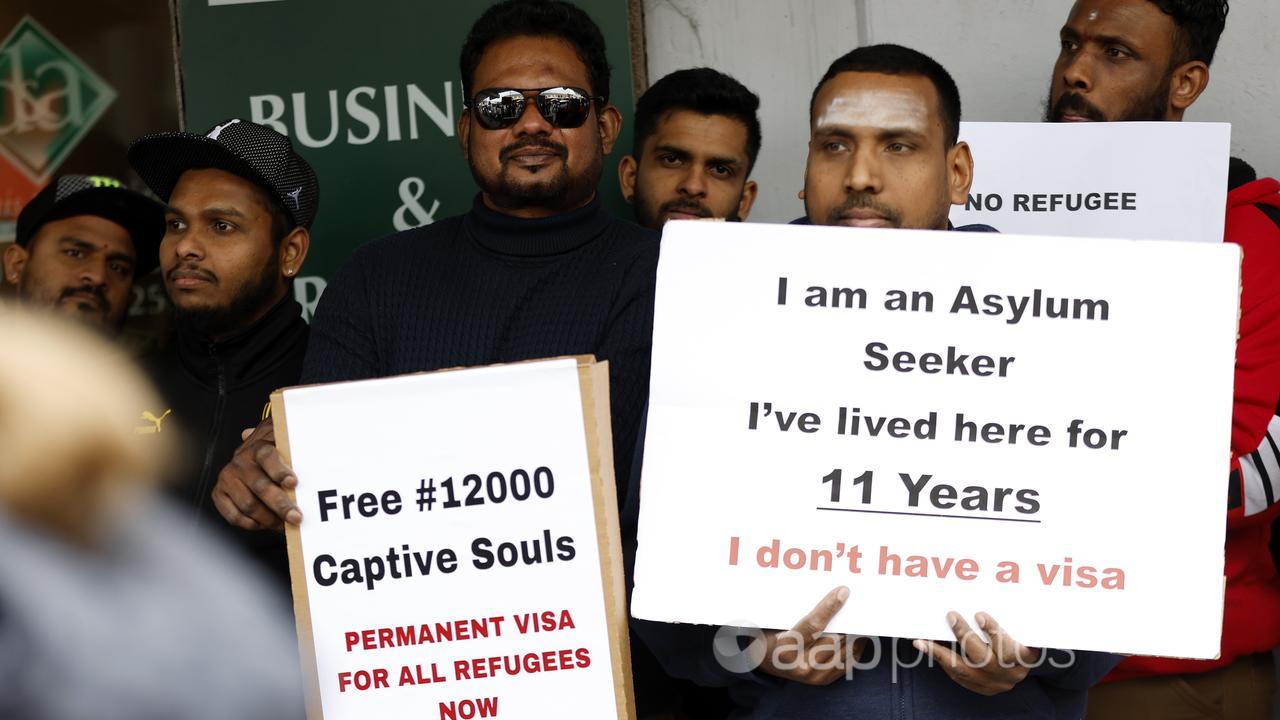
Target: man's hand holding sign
(985,667)
(252,490)
(807,653)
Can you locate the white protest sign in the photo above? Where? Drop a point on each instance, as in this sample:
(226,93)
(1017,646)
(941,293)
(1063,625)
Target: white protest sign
(1145,181)
(458,556)
(1033,427)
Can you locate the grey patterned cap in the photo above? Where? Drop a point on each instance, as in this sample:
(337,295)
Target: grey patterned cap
(252,151)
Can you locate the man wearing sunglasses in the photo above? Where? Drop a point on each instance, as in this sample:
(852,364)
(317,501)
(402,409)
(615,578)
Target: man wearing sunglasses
(537,268)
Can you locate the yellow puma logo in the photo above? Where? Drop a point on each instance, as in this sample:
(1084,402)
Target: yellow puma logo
(154,427)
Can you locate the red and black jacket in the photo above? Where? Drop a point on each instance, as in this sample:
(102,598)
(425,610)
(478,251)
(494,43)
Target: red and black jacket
(1251,614)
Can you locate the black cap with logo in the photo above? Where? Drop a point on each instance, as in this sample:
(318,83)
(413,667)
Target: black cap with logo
(70,195)
(252,151)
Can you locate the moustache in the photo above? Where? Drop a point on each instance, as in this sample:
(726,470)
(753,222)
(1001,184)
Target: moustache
(1072,104)
(685,206)
(533,142)
(97,292)
(189,270)
(863,201)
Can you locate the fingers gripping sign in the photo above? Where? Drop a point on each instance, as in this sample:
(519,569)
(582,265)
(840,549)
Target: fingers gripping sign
(807,653)
(985,667)
(252,490)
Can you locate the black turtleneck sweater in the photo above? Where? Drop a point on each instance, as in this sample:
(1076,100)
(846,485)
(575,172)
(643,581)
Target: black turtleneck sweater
(486,288)
(214,390)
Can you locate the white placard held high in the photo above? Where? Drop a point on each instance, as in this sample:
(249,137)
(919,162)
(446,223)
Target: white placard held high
(1146,181)
(458,555)
(1033,427)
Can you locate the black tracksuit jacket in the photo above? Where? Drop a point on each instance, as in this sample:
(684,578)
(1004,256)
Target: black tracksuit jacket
(213,391)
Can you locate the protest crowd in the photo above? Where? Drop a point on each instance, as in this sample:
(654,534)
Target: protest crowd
(139,494)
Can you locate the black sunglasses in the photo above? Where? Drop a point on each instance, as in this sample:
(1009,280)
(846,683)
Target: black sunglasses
(563,107)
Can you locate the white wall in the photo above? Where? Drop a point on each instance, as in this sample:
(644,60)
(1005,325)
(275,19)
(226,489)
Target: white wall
(999,51)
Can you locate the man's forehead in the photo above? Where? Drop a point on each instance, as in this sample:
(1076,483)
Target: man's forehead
(690,127)
(1118,18)
(87,227)
(524,59)
(861,99)
(100,232)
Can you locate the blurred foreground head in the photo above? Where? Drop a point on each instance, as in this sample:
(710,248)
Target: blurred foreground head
(112,603)
(71,455)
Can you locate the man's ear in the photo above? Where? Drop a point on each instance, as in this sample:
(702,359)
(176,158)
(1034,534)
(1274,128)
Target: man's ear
(960,172)
(293,251)
(464,134)
(610,125)
(804,180)
(15,263)
(1185,85)
(628,167)
(748,199)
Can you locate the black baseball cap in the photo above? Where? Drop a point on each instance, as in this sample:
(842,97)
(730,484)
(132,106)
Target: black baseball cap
(70,195)
(254,152)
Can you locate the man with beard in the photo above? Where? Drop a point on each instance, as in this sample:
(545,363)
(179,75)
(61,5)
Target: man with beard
(1149,60)
(696,138)
(536,268)
(883,153)
(240,201)
(1133,60)
(80,244)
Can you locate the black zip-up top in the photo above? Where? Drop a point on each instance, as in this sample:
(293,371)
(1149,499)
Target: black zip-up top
(214,390)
